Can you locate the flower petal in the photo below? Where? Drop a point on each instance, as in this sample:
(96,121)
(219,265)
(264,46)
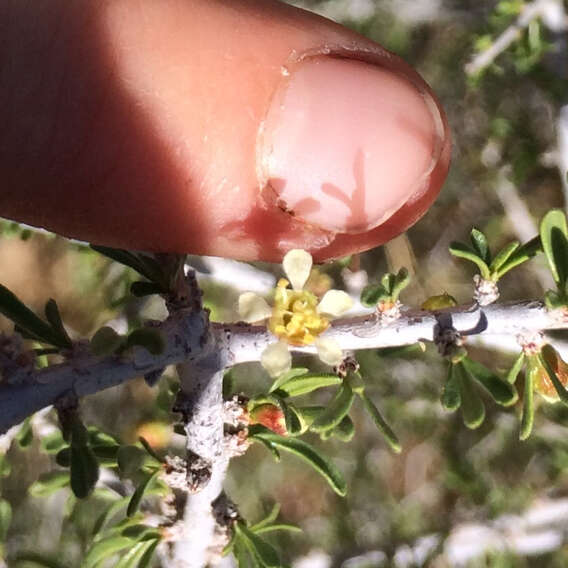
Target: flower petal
(329,351)
(276,359)
(253,307)
(335,303)
(297,265)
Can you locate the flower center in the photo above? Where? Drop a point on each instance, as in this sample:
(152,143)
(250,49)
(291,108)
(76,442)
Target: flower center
(295,317)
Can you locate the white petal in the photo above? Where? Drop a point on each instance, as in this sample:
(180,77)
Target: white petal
(297,265)
(329,351)
(335,303)
(276,359)
(253,307)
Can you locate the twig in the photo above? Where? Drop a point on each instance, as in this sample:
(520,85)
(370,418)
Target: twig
(482,60)
(185,338)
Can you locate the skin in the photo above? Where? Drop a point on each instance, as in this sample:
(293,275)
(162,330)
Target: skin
(135,124)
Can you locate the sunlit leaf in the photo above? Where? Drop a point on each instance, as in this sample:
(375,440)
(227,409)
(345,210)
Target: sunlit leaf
(336,410)
(516,368)
(451,395)
(303,384)
(105,549)
(503,392)
(531,376)
(25,434)
(380,423)
(554,237)
(5,518)
(480,245)
(472,407)
(138,494)
(520,255)
(462,251)
(503,255)
(304,451)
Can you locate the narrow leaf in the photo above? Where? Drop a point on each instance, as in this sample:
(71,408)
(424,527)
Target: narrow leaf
(402,280)
(138,494)
(264,552)
(105,549)
(54,318)
(287,376)
(279,527)
(462,251)
(15,310)
(522,254)
(304,451)
(472,407)
(268,520)
(451,395)
(480,245)
(345,430)
(84,471)
(309,382)
(503,255)
(123,257)
(527,419)
(516,368)
(146,559)
(109,513)
(336,410)
(503,392)
(373,294)
(554,237)
(149,449)
(381,423)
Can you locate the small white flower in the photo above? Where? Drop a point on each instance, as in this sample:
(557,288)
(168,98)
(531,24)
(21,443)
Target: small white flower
(296,318)
(276,359)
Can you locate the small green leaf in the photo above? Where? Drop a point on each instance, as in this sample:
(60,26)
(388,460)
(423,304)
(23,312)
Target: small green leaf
(106,341)
(516,368)
(345,430)
(63,457)
(244,560)
(337,409)
(150,338)
(146,559)
(40,560)
(373,294)
(480,245)
(264,552)
(135,555)
(278,527)
(531,376)
(105,549)
(5,519)
(304,451)
(84,470)
(49,483)
(287,376)
(451,396)
(15,310)
(472,407)
(268,520)
(25,434)
(54,318)
(380,423)
(503,255)
(309,382)
(503,392)
(554,237)
(522,254)
(140,532)
(138,494)
(462,251)
(401,281)
(109,513)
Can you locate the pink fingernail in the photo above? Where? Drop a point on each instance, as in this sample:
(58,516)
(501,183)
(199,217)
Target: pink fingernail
(346,143)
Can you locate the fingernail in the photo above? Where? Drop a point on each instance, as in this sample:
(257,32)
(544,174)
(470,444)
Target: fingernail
(346,143)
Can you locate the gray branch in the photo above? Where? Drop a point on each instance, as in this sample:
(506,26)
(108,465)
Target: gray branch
(185,335)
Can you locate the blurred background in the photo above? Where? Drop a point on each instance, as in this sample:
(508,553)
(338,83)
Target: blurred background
(453,497)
